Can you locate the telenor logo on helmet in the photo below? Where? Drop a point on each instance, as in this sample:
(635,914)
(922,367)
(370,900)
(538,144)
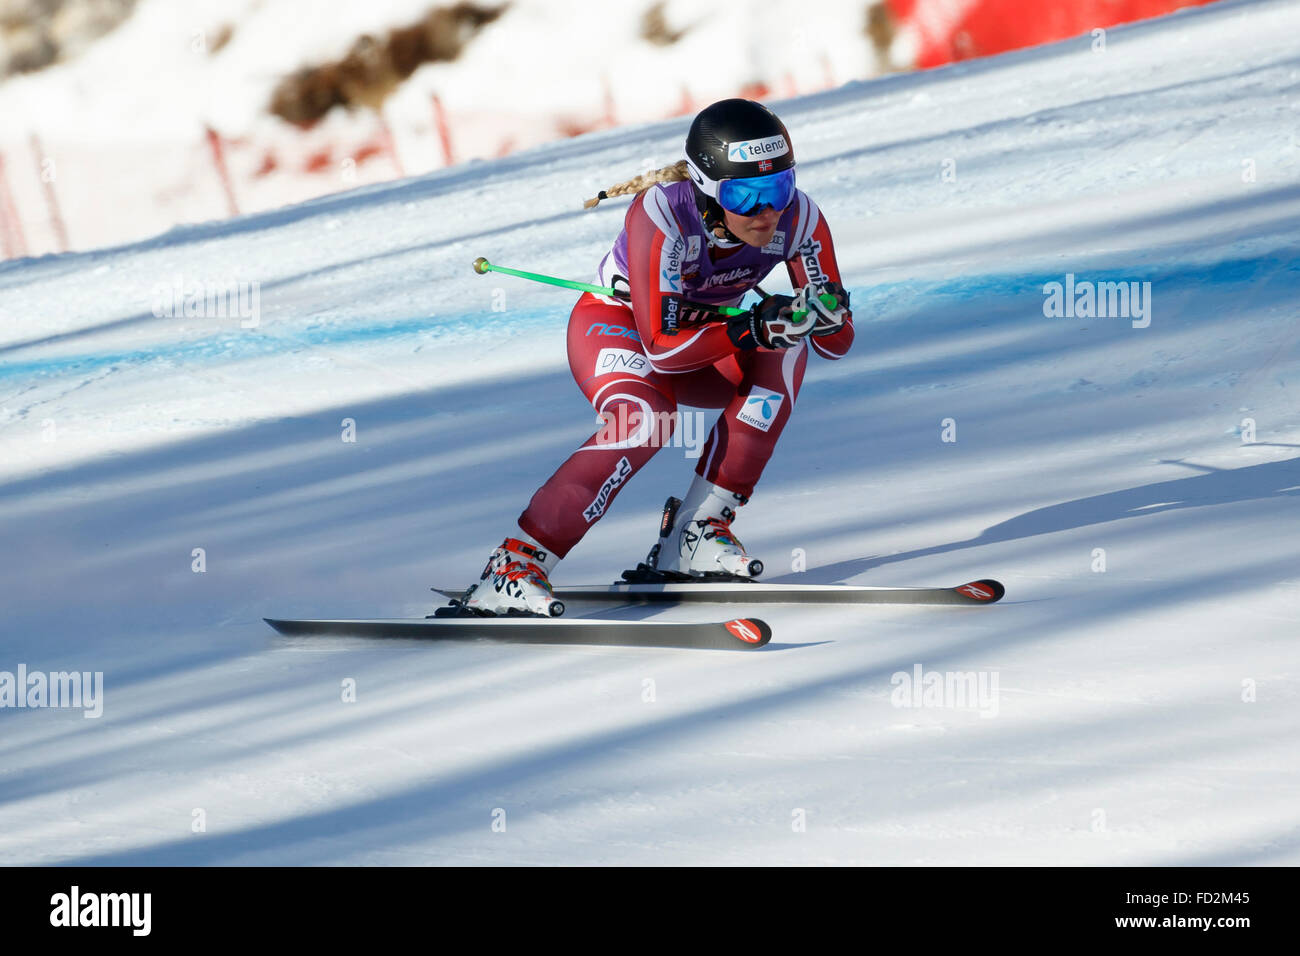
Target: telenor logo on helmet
(751,150)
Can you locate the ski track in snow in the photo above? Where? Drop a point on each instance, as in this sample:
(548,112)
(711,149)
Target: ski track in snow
(1145,715)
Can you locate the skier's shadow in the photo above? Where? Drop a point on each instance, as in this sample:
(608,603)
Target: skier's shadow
(1215,486)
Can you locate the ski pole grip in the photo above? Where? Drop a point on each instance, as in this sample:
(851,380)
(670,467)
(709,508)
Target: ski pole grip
(828,300)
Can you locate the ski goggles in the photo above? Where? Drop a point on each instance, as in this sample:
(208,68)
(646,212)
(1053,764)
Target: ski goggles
(748,197)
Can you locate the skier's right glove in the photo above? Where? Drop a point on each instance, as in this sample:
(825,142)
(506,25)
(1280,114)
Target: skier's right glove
(777,322)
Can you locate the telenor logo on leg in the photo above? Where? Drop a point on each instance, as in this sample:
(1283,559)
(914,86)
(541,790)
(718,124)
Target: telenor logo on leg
(760,408)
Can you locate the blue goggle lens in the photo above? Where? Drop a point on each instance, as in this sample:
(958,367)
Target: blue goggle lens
(748,197)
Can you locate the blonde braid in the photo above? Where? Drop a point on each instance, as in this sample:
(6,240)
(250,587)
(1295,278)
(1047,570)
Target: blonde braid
(665,174)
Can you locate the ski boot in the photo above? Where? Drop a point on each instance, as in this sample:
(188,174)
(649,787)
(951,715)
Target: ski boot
(513,583)
(696,541)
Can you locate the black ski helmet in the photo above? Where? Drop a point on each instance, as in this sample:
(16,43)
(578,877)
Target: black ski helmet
(733,139)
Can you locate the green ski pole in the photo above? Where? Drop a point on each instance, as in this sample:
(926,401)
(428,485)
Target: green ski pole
(483,267)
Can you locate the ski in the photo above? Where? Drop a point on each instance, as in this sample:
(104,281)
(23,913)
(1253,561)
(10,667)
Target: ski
(974,593)
(738,634)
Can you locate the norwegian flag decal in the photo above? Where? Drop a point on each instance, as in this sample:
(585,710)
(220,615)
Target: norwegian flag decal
(764,165)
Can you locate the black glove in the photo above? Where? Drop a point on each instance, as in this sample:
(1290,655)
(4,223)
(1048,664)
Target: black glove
(778,322)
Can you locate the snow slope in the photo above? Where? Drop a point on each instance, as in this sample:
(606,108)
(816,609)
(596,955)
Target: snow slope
(1146,713)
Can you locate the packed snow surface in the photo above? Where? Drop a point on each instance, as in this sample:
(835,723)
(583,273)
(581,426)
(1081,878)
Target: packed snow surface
(1133,480)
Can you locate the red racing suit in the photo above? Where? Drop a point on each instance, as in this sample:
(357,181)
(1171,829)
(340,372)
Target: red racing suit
(636,363)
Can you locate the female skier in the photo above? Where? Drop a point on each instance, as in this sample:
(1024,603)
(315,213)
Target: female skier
(699,235)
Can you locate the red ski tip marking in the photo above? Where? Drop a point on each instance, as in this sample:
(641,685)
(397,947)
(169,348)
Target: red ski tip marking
(745,630)
(982,590)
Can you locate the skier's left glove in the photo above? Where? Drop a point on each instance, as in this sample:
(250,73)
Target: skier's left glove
(829,316)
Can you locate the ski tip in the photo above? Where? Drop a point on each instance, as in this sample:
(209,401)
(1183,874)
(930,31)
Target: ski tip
(983,591)
(749,631)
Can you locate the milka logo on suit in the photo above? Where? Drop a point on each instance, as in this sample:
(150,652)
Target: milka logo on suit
(730,277)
